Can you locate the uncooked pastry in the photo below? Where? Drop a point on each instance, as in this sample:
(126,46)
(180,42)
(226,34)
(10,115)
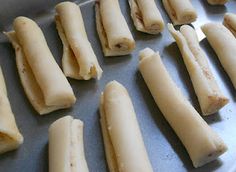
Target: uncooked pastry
(78,60)
(43,81)
(113,31)
(210,97)
(10,137)
(201,142)
(66,146)
(124,146)
(146,16)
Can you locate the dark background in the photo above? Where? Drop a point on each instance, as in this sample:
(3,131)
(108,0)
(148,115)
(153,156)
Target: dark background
(164,148)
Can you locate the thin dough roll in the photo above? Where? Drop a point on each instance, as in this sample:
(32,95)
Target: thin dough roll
(66,146)
(113,31)
(78,60)
(10,137)
(43,81)
(180,11)
(224,44)
(230,22)
(207,90)
(217,2)
(146,16)
(201,142)
(120,131)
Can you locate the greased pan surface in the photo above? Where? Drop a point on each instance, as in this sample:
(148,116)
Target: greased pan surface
(164,148)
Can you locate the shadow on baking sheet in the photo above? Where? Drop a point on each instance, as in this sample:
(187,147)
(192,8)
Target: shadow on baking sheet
(213,9)
(182,79)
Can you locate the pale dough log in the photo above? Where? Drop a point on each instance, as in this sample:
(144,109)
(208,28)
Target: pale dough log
(54,85)
(201,142)
(180,11)
(207,90)
(79,60)
(113,31)
(217,2)
(146,16)
(10,137)
(224,44)
(66,147)
(30,84)
(230,22)
(121,130)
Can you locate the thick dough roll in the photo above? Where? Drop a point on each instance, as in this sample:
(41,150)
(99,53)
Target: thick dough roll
(217,2)
(230,22)
(146,16)
(78,60)
(224,44)
(201,142)
(207,90)
(10,137)
(66,146)
(113,31)
(43,81)
(120,131)
(180,11)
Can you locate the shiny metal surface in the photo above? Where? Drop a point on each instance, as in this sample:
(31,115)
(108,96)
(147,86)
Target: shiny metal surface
(164,148)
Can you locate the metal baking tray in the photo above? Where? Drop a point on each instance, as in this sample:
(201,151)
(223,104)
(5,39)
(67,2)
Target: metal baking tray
(164,148)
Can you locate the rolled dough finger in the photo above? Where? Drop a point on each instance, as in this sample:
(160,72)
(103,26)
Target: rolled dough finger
(217,2)
(201,142)
(120,130)
(79,60)
(113,31)
(54,85)
(180,11)
(207,90)
(10,137)
(146,16)
(61,97)
(66,146)
(230,22)
(224,44)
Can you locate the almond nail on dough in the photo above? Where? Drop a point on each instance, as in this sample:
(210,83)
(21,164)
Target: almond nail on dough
(43,81)
(120,131)
(79,60)
(66,146)
(201,142)
(210,97)
(113,31)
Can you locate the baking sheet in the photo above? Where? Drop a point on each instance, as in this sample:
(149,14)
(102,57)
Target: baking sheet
(164,148)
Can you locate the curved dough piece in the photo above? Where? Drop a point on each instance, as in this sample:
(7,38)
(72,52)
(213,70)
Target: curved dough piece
(66,147)
(224,44)
(10,137)
(113,31)
(217,2)
(230,22)
(120,130)
(78,60)
(146,16)
(43,81)
(208,92)
(201,142)
(180,11)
